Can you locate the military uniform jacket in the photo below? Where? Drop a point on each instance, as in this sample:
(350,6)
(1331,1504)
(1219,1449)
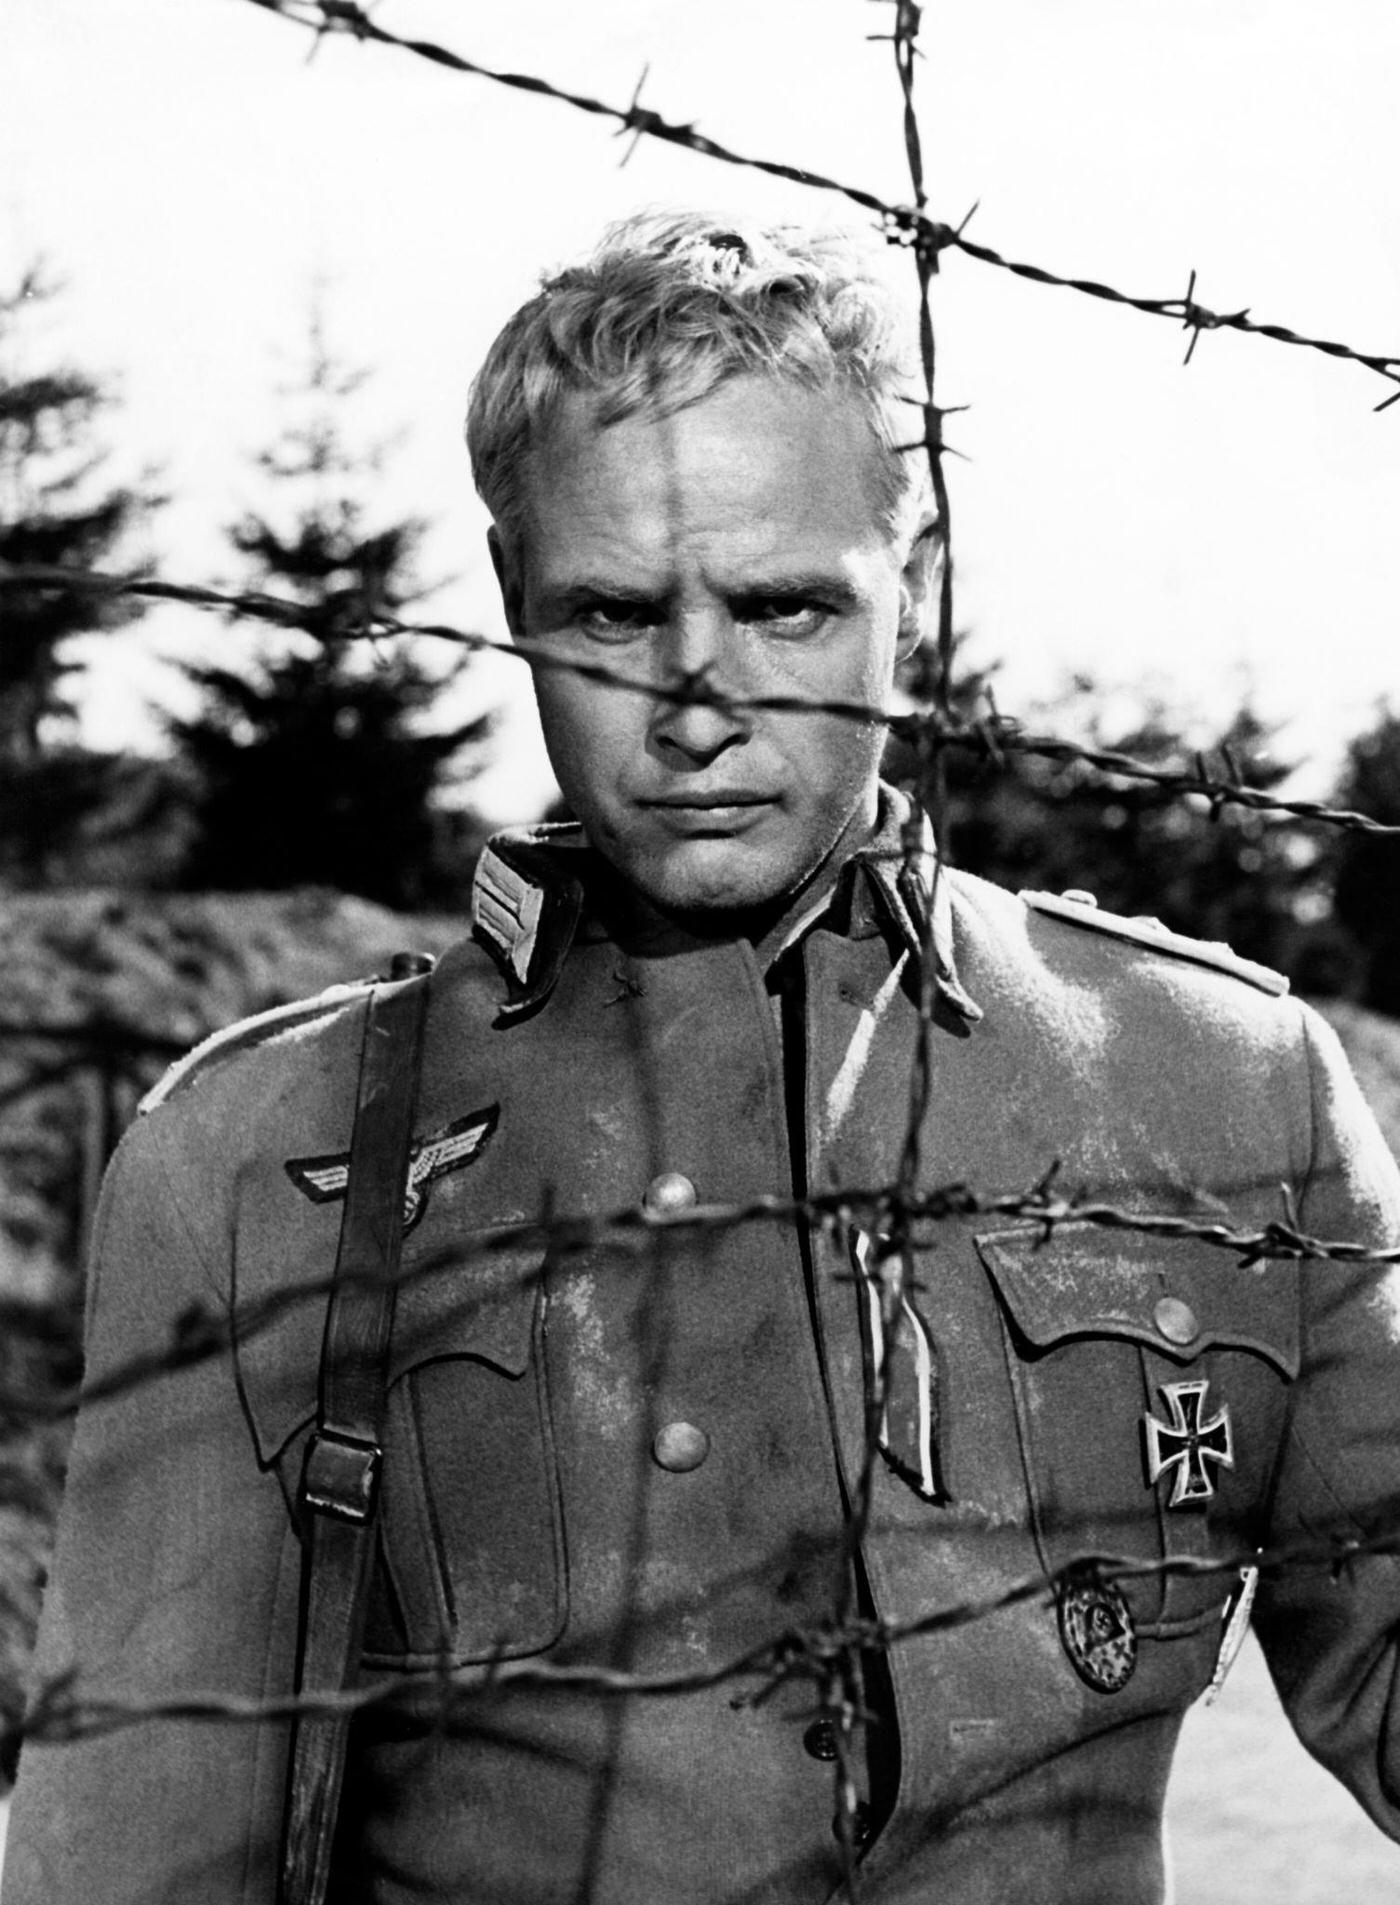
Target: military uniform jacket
(632,1448)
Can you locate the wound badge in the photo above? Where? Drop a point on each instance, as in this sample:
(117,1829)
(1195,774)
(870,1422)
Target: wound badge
(1097,1632)
(324,1179)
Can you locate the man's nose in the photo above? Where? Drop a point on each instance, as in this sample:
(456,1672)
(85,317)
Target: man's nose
(702,709)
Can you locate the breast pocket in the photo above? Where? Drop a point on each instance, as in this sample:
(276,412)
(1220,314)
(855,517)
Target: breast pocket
(1150,1380)
(470,1560)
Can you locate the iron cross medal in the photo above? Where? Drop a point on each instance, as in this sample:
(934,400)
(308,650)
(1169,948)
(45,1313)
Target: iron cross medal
(1186,1443)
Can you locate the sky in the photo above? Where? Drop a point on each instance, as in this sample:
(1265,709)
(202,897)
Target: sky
(1201,531)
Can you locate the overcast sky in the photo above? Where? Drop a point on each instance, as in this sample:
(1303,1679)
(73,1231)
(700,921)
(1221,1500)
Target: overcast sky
(192,176)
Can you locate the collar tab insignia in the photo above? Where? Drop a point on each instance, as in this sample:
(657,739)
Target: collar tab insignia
(525,909)
(917,894)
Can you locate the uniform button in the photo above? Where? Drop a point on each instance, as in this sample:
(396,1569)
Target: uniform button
(860,1826)
(668,1194)
(820,1739)
(1176,1320)
(680,1446)
(410,965)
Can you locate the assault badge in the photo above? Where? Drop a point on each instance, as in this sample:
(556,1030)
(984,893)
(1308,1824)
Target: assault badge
(324,1179)
(1187,1443)
(1096,1631)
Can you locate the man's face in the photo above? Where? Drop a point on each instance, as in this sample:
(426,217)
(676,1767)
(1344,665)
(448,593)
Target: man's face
(736,543)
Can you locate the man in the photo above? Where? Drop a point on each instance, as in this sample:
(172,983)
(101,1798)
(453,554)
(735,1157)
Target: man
(625,1449)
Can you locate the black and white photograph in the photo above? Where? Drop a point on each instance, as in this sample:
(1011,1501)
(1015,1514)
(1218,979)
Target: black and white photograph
(700,895)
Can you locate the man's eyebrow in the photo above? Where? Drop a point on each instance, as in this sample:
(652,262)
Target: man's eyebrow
(583,591)
(580,591)
(831,585)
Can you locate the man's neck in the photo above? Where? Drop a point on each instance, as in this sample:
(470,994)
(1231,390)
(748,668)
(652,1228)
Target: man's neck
(771,929)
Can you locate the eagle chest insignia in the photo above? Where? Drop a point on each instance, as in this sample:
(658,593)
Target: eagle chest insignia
(324,1179)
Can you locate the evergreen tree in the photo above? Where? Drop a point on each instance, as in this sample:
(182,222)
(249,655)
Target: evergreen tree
(55,509)
(1366,891)
(313,763)
(1026,821)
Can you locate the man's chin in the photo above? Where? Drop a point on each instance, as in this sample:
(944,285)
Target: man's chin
(708,880)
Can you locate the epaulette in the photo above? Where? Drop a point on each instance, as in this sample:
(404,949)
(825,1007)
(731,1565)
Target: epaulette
(244,1034)
(1079,908)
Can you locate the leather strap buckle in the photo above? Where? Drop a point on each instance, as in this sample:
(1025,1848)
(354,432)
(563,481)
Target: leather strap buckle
(341,1477)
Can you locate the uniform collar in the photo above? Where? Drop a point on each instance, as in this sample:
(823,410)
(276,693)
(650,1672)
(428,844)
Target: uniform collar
(529,887)
(904,888)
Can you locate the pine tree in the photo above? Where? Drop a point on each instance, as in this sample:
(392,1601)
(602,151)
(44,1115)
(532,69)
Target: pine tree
(1366,890)
(1028,821)
(55,509)
(314,763)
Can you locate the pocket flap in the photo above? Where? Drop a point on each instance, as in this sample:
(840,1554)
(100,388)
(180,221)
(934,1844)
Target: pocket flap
(479,1302)
(1177,1296)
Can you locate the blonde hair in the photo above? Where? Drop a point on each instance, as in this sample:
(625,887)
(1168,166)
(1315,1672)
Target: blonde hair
(669,306)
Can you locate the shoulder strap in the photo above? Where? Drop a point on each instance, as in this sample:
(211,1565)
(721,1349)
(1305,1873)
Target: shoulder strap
(340,1481)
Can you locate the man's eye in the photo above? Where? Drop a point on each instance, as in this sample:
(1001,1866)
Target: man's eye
(616,621)
(792,615)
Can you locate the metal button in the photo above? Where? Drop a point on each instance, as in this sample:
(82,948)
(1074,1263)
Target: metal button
(410,965)
(668,1194)
(820,1739)
(680,1446)
(1080,896)
(1176,1320)
(859,1826)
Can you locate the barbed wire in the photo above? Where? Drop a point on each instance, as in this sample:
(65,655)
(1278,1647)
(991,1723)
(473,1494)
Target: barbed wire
(991,736)
(202,1330)
(892,1271)
(105,1031)
(60,1714)
(903,224)
(826,1655)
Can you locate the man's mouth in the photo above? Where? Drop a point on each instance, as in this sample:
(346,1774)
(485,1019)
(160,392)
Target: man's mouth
(728,797)
(724,808)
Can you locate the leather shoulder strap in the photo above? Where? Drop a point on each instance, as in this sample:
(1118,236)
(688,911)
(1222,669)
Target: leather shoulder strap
(340,1482)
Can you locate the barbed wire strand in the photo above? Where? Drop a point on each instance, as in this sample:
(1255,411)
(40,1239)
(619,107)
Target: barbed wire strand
(58,1715)
(892,1254)
(989,736)
(902,223)
(203,1330)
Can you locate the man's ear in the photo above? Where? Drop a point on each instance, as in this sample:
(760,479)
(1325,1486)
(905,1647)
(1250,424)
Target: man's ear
(505,561)
(919,584)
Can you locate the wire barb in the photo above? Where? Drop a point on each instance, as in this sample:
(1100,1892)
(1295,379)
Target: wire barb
(320,16)
(991,736)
